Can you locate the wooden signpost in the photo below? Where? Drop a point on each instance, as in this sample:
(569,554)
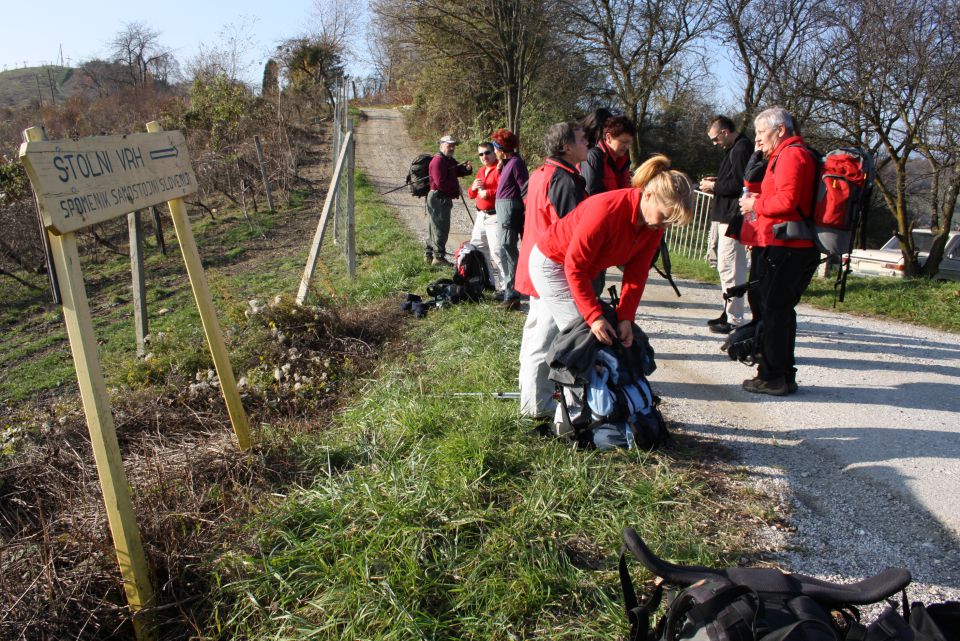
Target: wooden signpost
(82,182)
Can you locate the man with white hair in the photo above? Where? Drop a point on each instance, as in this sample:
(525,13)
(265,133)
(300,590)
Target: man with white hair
(782,266)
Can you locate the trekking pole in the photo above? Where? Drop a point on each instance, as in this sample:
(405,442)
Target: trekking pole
(503,396)
(418,180)
(464,201)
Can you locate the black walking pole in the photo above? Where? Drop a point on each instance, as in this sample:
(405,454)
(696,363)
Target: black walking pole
(464,201)
(418,180)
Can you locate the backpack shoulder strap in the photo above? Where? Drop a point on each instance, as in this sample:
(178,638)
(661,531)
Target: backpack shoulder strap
(773,165)
(638,614)
(559,165)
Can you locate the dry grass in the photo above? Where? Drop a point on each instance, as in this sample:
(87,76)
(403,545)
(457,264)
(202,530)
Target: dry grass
(191,486)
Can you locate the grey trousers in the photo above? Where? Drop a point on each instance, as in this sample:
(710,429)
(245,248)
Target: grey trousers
(439,206)
(510,219)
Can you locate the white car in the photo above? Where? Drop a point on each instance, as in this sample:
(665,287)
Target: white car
(888,260)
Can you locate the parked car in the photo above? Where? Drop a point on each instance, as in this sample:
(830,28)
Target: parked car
(888,260)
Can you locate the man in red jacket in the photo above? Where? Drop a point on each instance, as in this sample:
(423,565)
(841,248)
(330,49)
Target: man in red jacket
(785,266)
(483,190)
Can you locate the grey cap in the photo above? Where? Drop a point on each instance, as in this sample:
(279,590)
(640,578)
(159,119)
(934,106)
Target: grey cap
(449,140)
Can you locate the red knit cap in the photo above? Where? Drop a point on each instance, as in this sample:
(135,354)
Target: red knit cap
(506,140)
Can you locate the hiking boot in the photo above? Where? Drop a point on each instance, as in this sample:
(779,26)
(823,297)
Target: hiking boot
(775,387)
(440,261)
(719,320)
(722,328)
(512,304)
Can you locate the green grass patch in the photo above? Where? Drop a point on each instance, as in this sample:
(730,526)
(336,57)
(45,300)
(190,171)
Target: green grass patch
(694,269)
(921,302)
(433,516)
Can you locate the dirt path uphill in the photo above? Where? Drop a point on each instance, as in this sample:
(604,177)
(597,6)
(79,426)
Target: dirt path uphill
(863,462)
(384,152)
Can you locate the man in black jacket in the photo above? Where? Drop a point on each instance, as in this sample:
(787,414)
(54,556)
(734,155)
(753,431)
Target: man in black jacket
(727,187)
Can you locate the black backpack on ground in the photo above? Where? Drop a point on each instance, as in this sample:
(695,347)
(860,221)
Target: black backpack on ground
(749,604)
(470,269)
(919,622)
(418,178)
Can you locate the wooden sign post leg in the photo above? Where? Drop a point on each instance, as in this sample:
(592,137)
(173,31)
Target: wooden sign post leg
(208,316)
(139,289)
(103,437)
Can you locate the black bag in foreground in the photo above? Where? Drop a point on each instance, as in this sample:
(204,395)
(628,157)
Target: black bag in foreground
(935,622)
(748,604)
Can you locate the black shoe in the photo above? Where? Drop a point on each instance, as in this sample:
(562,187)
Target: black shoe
(792,386)
(513,304)
(721,328)
(775,387)
(498,295)
(719,320)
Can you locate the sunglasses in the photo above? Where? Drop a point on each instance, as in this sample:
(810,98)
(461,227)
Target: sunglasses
(484,153)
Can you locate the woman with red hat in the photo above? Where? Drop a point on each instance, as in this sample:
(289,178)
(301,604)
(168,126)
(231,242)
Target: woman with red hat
(511,189)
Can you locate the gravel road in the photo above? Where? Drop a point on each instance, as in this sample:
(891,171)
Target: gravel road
(864,459)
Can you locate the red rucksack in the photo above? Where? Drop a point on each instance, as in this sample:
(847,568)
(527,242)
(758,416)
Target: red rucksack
(844,181)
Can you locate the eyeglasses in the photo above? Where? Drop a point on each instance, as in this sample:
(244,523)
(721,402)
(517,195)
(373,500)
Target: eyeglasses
(484,153)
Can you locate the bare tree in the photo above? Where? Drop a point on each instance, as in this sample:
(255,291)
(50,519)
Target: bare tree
(336,22)
(890,84)
(138,49)
(768,52)
(639,44)
(228,54)
(509,38)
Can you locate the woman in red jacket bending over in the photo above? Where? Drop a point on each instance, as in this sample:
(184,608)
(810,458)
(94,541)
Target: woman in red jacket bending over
(620,227)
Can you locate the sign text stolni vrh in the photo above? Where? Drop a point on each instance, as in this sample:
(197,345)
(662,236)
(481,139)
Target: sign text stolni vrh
(86,181)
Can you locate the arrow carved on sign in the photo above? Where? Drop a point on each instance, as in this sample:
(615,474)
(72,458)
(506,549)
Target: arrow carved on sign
(169,152)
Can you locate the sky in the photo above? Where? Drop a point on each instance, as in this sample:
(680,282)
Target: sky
(34,33)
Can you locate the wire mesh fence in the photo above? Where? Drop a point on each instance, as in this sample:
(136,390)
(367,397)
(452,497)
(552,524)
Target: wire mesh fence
(691,241)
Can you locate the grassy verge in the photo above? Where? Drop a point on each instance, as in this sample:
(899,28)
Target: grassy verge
(434,516)
(921,302)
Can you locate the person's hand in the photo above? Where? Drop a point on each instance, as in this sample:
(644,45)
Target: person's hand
(469,166)
(477,184)
(602,330)
(625,330)
(707,184)
(482,193)
(746,203)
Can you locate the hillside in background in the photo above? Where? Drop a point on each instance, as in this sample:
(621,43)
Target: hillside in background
(23,87)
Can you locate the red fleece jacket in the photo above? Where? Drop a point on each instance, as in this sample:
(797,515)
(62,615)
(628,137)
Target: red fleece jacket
(600,233)
(786,190)
(488,175)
